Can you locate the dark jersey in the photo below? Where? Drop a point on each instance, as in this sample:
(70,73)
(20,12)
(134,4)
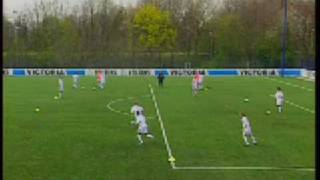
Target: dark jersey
(160,77)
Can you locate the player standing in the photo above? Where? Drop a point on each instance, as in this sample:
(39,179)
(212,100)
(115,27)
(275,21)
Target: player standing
(194,86)
(76,81)
(246,130)
(101,79)
(160,79)
(61,87)
(142,127)
(197,77)
(200,81)
(279,99)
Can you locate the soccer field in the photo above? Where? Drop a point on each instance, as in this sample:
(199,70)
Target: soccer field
(88,134)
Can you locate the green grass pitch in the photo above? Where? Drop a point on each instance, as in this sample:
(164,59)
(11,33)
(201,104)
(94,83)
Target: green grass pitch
(80,138)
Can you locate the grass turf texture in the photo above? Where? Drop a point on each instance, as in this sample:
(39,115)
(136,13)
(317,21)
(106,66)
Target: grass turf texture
(78,137)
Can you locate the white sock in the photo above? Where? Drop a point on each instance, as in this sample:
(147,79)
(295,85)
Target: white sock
(194,93)
(253,140)
(246,140)
(140,138)
(150,136)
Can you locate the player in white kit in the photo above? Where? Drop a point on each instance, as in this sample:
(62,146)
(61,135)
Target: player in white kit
(61,87)
(142,127)
(195,86)
(76,81)
(246,130)
(135,109)
(279,99)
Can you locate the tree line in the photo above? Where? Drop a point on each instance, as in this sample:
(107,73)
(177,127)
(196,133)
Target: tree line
(160,33)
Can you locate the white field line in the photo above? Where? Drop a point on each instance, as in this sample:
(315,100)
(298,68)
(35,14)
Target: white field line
(165,138)
(297,105)
(290,84)
(111,102)
(174,167)
(241,168)
(307,79)
(121,112)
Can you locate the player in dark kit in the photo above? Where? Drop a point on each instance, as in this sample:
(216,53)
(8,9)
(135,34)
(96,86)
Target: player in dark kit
(160,78)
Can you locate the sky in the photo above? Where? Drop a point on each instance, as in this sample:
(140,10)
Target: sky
(11,6)
(17,5)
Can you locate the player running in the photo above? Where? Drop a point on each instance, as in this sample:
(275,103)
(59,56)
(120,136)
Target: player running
(101,79)
(61,87)
(194,86)
(142,127)
(197,77)
(200,81)
(76,81)
(246,130)
(136,109)
(279,99)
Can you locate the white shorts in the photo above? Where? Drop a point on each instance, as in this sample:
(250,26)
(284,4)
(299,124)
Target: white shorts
(143,130)
(200,85)
(279,102)
(247,132)
(194,88)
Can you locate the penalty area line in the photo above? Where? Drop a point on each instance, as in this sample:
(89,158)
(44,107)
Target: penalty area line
(174,167)
(297,106)
(290,84)
(165,138)
(242,168)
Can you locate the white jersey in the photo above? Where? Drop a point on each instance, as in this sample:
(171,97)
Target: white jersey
(279,98)
(75,79)
(61,86)
(246,126)
(135,109)
(141,120)
(142,123)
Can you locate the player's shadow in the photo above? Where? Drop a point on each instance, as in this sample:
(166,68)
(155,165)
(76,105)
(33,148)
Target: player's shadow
(206,88)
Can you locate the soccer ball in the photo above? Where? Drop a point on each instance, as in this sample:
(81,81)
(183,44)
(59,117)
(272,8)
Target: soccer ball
(246,100)
(37,109)
(56,97)
(268,112)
